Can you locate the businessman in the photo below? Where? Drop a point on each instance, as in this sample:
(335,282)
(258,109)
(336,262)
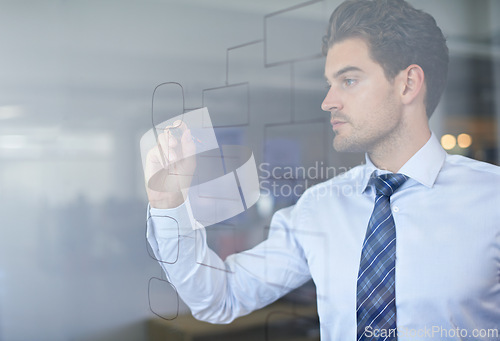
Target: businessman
(410,252)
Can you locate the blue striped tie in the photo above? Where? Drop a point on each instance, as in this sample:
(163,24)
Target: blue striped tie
(376,298)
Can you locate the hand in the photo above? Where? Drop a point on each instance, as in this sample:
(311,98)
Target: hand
(168,172)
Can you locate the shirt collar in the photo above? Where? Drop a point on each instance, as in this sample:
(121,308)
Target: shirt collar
(423,166)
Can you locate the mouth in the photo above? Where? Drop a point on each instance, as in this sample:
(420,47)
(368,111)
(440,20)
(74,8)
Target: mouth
(337,124)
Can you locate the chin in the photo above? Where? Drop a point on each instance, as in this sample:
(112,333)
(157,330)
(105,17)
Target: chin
(347,145)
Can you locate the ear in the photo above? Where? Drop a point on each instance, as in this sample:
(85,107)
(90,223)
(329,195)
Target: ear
(412,83)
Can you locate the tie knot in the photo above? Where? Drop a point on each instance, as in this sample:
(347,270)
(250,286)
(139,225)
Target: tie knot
(387,184)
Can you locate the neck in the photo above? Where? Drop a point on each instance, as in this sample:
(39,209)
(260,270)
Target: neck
(392,153)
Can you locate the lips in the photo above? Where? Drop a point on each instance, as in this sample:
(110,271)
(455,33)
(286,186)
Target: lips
(337,123)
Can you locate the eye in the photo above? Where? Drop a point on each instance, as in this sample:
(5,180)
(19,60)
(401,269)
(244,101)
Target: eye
(328,86)
(348,82)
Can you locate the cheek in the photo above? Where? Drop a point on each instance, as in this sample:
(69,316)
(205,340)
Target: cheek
(365,99)
(387,114)
(370,105)
(375,114)
(366,108)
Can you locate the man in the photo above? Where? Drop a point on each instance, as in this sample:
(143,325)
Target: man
(411,251)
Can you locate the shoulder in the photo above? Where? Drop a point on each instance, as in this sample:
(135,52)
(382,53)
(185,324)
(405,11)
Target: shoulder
(480,180)
(463,166)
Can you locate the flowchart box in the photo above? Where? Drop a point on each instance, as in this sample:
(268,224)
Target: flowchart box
(294,33)
(229,105)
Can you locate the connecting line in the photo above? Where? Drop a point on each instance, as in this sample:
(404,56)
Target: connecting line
(310,121)
(234,48)
(292,92)
(191,109)
(240,190)
(222,160)
(304,4)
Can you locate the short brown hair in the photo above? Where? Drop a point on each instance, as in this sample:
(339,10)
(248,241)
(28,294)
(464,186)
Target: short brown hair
(398,35)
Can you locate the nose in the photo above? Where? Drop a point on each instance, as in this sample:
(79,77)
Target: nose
(332,101)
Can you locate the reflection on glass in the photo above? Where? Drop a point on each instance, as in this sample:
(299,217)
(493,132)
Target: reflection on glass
(448,141)
(464,140)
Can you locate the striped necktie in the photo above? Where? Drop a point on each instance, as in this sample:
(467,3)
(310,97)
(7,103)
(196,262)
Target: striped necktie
(376,297)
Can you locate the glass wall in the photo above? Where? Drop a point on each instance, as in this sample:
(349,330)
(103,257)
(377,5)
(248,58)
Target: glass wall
(76,83)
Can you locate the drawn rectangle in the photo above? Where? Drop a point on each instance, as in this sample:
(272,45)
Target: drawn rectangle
(216,200)
(167,102)
(295,33)
(229,105)
(245,63)
(298,146)
(309,89)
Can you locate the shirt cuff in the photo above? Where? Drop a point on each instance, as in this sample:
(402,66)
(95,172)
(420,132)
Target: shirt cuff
(171,223)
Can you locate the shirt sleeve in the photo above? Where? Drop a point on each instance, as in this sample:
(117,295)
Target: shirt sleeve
(218,291)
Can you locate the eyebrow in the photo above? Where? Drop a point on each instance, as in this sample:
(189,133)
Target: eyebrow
(345,70)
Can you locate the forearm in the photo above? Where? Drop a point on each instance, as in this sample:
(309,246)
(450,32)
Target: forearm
(218,291)
(198,274)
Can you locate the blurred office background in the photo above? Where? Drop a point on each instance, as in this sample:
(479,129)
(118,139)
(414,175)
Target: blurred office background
(76,79)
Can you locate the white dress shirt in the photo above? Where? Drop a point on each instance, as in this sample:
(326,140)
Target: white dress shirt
(447,220)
